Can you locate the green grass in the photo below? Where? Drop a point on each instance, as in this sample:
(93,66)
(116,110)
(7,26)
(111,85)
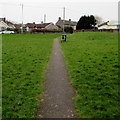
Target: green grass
(92,62)
(24,60)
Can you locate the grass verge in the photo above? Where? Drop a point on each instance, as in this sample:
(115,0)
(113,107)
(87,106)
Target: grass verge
(25,57)
(92,62)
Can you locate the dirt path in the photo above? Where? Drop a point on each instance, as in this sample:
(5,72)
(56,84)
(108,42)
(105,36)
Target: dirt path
(57,101)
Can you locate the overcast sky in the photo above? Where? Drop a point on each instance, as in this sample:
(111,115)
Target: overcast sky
(34,10)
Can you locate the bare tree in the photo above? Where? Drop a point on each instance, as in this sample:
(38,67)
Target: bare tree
(99,20)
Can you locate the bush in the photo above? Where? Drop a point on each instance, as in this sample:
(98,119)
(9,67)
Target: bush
(68,29)
(16,30)
(10,29)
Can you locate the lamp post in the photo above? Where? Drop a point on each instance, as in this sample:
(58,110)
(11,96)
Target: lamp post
(22,20)
(63,18)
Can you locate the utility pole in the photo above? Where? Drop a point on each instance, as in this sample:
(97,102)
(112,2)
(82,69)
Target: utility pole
(22,19)
(63,18)
(44,18)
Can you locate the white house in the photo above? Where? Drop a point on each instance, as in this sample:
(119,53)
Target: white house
(3,25)
(109,25)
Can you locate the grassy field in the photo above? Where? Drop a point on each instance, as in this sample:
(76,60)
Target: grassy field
(92,62)
(24,60)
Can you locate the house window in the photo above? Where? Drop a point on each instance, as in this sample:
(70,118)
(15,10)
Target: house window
(2,28)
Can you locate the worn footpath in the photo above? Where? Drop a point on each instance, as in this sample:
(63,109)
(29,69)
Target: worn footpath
(57,100)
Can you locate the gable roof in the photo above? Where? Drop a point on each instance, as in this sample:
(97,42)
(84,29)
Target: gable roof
(105,23)
(30,25)
(114,23)
(109,25)
(66,22)
(42,25)
(33,25)
(3,24)
(18,26)
(10,24)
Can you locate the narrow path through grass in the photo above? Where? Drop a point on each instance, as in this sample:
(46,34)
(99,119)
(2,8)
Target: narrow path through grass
(57,101)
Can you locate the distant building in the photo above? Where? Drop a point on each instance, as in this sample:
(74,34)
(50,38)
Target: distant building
(51,26)
(4,24)
(66,23)
(10,24)
(115,25)
(48,26)
(103,25)
(109,25)
(17,26)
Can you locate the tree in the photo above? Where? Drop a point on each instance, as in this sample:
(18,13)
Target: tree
(86,22)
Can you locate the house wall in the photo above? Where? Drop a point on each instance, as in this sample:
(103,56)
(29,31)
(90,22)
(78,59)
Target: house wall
(60,24)
(27,29)
(2,28)
(51,27)
(11,26)
(67,24)
(74,27)
(118,26)
(3,25)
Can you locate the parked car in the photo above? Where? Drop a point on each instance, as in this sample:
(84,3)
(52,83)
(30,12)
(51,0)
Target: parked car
(7,32)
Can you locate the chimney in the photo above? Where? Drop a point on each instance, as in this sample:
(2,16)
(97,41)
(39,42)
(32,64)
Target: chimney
(59,18)
(107,22)
(4,19)
(69,19)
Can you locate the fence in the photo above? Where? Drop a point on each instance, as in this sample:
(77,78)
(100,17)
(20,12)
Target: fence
(96,30)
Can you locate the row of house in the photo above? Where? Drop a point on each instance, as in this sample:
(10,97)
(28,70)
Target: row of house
(60,24)
(50,26)
(4,24)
